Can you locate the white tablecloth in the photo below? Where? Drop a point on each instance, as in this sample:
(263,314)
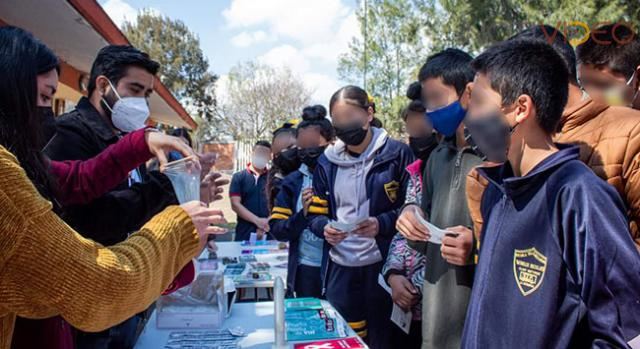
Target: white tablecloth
(277,260)
(255,318)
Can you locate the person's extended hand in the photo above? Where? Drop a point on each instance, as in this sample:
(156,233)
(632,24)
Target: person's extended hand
(410,227)
(160,144)
(307,198)
(262,224)
(457,250)
(368,228)
(213,184)
(203,218)
(333,236)
(403,293)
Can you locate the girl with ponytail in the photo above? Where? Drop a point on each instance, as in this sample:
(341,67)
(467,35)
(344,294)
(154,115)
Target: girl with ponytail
(289,220)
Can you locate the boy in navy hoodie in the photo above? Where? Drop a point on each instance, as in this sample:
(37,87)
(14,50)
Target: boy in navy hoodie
(557,267)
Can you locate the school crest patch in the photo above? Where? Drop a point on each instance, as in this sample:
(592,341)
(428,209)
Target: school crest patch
(528,267)
(391,189)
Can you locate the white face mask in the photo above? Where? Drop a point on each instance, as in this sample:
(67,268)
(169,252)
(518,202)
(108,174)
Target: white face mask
(129,113)
(259,162)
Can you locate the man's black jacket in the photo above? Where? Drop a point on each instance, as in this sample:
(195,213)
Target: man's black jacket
(82,134)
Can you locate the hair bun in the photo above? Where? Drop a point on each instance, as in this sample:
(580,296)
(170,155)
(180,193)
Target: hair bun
(414,91)
(314,112)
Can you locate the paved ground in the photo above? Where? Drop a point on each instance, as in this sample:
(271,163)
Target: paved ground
(225,203)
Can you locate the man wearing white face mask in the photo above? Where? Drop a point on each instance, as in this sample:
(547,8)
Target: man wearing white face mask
(120,82)
(129,113)
(249,196)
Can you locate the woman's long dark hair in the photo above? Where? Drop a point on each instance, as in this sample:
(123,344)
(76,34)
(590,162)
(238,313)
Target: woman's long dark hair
(20,129)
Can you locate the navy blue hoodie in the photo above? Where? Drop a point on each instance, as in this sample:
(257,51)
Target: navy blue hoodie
(557,267)
(386,183)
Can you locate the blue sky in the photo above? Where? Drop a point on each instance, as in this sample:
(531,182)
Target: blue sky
(305,35)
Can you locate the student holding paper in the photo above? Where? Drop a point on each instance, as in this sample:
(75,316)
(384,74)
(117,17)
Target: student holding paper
(449,269)
(403,270)
(359,180)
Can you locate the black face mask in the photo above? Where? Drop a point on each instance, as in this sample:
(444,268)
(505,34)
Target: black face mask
(48,125)
(423,146)
(491,134)
(352,134)
(287,161)
(309,156)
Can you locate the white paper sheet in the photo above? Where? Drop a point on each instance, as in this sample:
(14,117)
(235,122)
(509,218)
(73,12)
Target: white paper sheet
(436,233)
(635,343)
(346,227)
(399,317)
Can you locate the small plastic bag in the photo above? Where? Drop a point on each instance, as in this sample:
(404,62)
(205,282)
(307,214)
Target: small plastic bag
(184,175)
(202,304)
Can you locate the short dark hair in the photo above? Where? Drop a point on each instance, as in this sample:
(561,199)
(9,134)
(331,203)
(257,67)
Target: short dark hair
(415,106)
(452,65)
(112,61)
(414,91)
(557,40)
(622,54)
(530,67)
(262,143)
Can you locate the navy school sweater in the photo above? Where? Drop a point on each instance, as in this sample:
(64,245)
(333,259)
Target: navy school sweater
(557,266)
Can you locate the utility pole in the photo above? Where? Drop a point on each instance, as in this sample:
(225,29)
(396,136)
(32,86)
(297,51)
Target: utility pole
(364,51)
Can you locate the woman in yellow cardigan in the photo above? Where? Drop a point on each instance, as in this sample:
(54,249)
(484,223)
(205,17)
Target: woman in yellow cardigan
(46,268)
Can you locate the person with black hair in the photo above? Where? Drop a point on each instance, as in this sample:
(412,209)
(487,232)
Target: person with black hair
(293,204)
(609,65)
(77,276)
(555,235)
(404,268)
(80,182)
(284,137)
(249,196)
(120,82)
(118,72)
(608,136)
(359,181)
(285,158)
(448,274)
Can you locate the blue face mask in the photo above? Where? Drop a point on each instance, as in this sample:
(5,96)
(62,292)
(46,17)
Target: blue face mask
(447,119)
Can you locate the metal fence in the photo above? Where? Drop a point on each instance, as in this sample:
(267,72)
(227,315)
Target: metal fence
(242,154)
